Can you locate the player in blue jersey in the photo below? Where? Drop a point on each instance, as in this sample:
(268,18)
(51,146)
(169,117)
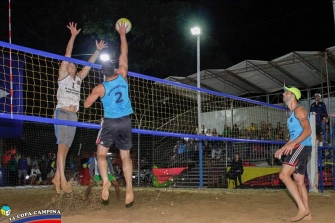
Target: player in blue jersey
(297,150)
(116,124)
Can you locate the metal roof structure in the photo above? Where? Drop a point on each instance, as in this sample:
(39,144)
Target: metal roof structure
(302,69)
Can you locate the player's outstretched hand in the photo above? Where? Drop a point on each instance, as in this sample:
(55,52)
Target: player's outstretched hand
(101,45)
(73,28)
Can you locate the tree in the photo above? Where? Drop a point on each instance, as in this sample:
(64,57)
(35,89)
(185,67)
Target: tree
(160,42)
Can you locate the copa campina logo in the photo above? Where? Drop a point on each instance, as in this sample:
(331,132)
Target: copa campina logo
(38,216)
(5,210)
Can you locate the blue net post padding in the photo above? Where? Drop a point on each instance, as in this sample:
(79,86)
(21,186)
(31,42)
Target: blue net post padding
(201,173)
(11,128)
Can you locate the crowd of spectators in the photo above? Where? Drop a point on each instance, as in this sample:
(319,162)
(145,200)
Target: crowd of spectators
(22,170)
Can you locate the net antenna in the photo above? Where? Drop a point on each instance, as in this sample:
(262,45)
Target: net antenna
(10,58)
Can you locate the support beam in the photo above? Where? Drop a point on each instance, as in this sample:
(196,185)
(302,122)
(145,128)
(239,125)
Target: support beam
(246,82)
(323,78)
(288,74)
(330,58)
(260,70)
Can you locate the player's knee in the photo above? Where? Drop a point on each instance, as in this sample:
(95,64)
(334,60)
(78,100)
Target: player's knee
(283,176)
(101,155)
(125,154)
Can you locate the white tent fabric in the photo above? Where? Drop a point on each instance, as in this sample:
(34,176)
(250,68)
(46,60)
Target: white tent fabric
(302,69)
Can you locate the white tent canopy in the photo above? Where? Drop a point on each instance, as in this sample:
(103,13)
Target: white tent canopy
(302,69)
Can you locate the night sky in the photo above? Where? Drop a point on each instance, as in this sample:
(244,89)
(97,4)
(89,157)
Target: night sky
(245,29)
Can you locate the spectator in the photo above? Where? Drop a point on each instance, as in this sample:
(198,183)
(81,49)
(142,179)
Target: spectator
(45,169)
(96,178)
(23,168)
(52,165)
(237,170)
(263,130)
(252,130)
(33,161)
(35,174)
(226,131)
(91,159)
(285,132)
(118,172)
(12,170)
(235,131)
(270,132)
(320,116)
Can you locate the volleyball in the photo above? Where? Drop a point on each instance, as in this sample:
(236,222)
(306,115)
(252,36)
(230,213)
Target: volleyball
(84,165)
(127,23)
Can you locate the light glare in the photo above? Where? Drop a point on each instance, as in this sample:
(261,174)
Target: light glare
(195,31)
(104,57)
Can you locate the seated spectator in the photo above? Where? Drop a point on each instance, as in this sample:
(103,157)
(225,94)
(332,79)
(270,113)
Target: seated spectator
(252,131)
(235,131)
(270,135)
(285,132)
(226,132)
(214,132)
(208,143)
(35,174)
(203,130)
(118,172)
(243,133)
(263,130)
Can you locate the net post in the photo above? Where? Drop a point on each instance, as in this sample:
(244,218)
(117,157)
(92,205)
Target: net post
(312,163)
(201,182)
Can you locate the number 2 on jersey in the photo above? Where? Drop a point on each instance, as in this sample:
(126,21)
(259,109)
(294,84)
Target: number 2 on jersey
(119,99)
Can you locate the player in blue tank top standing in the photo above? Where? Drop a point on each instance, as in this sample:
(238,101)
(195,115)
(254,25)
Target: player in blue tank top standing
(297,150)
(116,124)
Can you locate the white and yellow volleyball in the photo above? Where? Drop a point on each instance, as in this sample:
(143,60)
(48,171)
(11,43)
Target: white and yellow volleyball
(127,23)
(84,165)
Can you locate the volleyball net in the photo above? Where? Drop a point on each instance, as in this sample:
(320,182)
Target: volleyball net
(165,141)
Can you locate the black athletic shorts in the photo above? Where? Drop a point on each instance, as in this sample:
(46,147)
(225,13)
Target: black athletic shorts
(299,158)
(116,130)
(318,130)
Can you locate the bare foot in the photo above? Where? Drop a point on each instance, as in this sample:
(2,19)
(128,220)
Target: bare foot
(57,185)
(129,197)
(308,217)
(66,188)
(300,215)
(105,191)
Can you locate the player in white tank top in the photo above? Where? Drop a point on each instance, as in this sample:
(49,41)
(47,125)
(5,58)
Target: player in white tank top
(69,92)
(68,96)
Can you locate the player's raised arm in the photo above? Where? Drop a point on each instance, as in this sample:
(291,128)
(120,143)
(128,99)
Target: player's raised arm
(97,92)
(74,32)
(99,46)
(123,60)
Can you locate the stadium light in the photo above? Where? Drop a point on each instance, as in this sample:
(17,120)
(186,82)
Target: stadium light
(138,136)
(104,57)
(196,32)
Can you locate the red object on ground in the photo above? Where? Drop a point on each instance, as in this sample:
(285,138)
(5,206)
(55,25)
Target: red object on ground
(164,174)
(84,176)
